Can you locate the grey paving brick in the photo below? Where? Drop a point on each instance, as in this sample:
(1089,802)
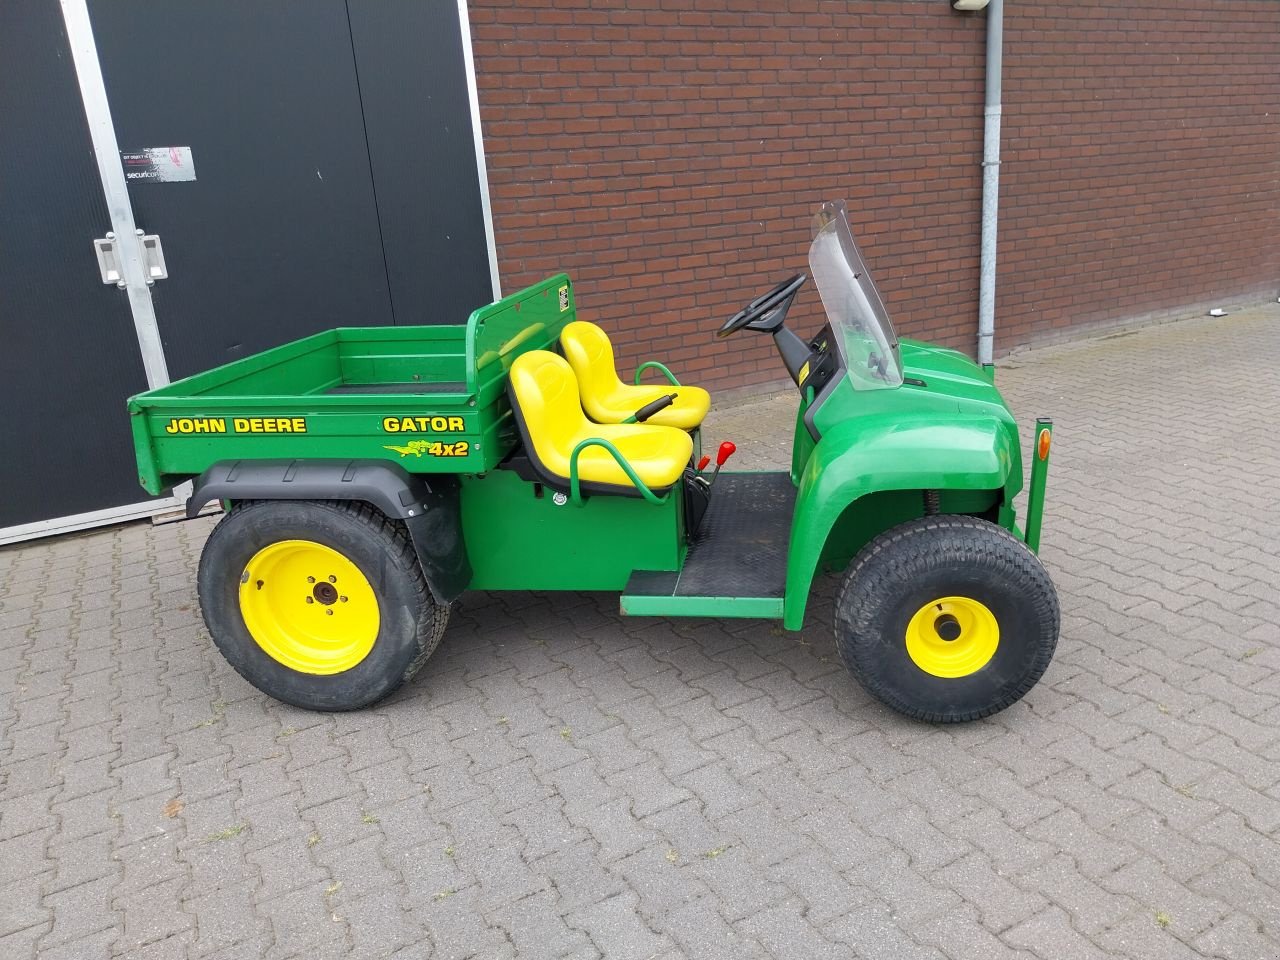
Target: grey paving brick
(301,920)
(1236,936)
(174,947)
(785,931)
(1260,810)
(701,932)
(961,936)
(999,903)
(227,919)
(1147,939)
(534,926)
(89,946)
(615,831)
(80,860)
(80,912)
(1053,926)
(459,929)
(153,914)
(379,924)
(22,943)
(909,829)
(875,933)
(25,855)
(1233,882)
(616,928)
(20,908)
(1147,882)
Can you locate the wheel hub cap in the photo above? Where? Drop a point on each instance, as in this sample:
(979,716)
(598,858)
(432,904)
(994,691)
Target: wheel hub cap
(308,607)
(952,637)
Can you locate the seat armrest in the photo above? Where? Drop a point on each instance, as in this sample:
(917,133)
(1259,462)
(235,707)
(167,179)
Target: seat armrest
(575,493)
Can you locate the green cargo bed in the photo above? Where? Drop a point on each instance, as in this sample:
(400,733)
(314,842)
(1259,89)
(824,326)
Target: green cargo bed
(431,398)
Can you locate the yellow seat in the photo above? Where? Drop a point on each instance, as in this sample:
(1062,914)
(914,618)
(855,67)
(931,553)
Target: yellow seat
(549,414)
(607,399)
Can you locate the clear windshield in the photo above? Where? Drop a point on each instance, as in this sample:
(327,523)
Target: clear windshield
(864,336)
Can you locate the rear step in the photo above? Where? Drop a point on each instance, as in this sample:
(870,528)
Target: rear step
(737,564)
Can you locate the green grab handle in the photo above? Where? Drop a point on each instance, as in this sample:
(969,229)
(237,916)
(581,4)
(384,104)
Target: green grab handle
(654,364)
(575,490)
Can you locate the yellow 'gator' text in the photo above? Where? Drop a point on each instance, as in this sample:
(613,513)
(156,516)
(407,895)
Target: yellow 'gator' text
(422,424)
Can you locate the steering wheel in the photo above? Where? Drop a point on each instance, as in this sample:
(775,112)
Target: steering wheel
(770,307)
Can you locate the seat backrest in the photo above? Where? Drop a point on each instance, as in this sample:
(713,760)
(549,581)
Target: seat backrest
(545,393)
(590,353)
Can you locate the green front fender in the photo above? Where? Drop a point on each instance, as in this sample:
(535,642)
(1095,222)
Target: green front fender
(884,453)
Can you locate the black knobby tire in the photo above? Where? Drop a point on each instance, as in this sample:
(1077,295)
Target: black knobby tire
(410,623)
(913,564)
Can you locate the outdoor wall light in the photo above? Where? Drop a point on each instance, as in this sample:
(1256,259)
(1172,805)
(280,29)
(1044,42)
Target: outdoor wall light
(970,4)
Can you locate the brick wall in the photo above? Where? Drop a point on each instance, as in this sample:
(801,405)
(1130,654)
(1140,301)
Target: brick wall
(1141,165)
(668,156)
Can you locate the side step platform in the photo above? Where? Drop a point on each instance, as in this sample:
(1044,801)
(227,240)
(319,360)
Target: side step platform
(737,564)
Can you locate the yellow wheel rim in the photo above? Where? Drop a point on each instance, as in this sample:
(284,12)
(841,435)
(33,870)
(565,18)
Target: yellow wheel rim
(308,607)
(952,637)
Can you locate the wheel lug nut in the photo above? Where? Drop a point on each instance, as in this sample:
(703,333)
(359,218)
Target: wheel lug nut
(332,578)
(311,599)
(343,599)
(329,611)
(311,579)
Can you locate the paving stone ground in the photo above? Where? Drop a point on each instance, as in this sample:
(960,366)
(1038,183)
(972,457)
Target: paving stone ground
(561,782)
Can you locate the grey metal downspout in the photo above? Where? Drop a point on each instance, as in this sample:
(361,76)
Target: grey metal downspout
(990,186)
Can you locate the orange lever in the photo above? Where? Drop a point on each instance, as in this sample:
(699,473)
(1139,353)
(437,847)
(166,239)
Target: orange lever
(702,464)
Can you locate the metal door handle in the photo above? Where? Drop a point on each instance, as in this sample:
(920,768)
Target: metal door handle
(108,264)
(108,255)
(152,257)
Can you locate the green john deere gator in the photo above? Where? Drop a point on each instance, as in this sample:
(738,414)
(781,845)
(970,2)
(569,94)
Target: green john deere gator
(370,476)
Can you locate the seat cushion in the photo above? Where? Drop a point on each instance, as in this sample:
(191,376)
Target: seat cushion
(690,407)
(657,454)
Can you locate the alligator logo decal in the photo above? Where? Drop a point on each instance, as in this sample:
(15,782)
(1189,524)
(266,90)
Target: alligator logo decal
(415,447)
(432,448)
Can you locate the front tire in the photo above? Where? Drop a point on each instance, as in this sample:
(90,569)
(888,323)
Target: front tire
(947,618)
(320,604)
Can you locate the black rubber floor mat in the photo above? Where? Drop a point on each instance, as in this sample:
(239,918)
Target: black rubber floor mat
(741,549)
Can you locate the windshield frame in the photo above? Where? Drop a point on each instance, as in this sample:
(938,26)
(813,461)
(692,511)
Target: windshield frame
(863,333)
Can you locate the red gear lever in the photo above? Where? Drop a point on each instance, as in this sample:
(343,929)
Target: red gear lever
(727,450)
(702,464)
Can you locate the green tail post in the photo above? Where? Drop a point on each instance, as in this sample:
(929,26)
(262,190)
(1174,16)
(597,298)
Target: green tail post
(1040,446)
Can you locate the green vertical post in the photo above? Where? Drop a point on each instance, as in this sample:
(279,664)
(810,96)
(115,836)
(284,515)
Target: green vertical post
(1040,445)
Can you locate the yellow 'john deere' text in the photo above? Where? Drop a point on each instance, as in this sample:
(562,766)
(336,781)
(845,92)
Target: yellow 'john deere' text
(270,424)
(238,425)
(196,425)
(422,424)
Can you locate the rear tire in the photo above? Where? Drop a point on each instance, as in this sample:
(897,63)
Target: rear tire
(320,604)
(947,618)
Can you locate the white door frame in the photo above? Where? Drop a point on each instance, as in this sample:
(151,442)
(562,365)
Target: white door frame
(473,95)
